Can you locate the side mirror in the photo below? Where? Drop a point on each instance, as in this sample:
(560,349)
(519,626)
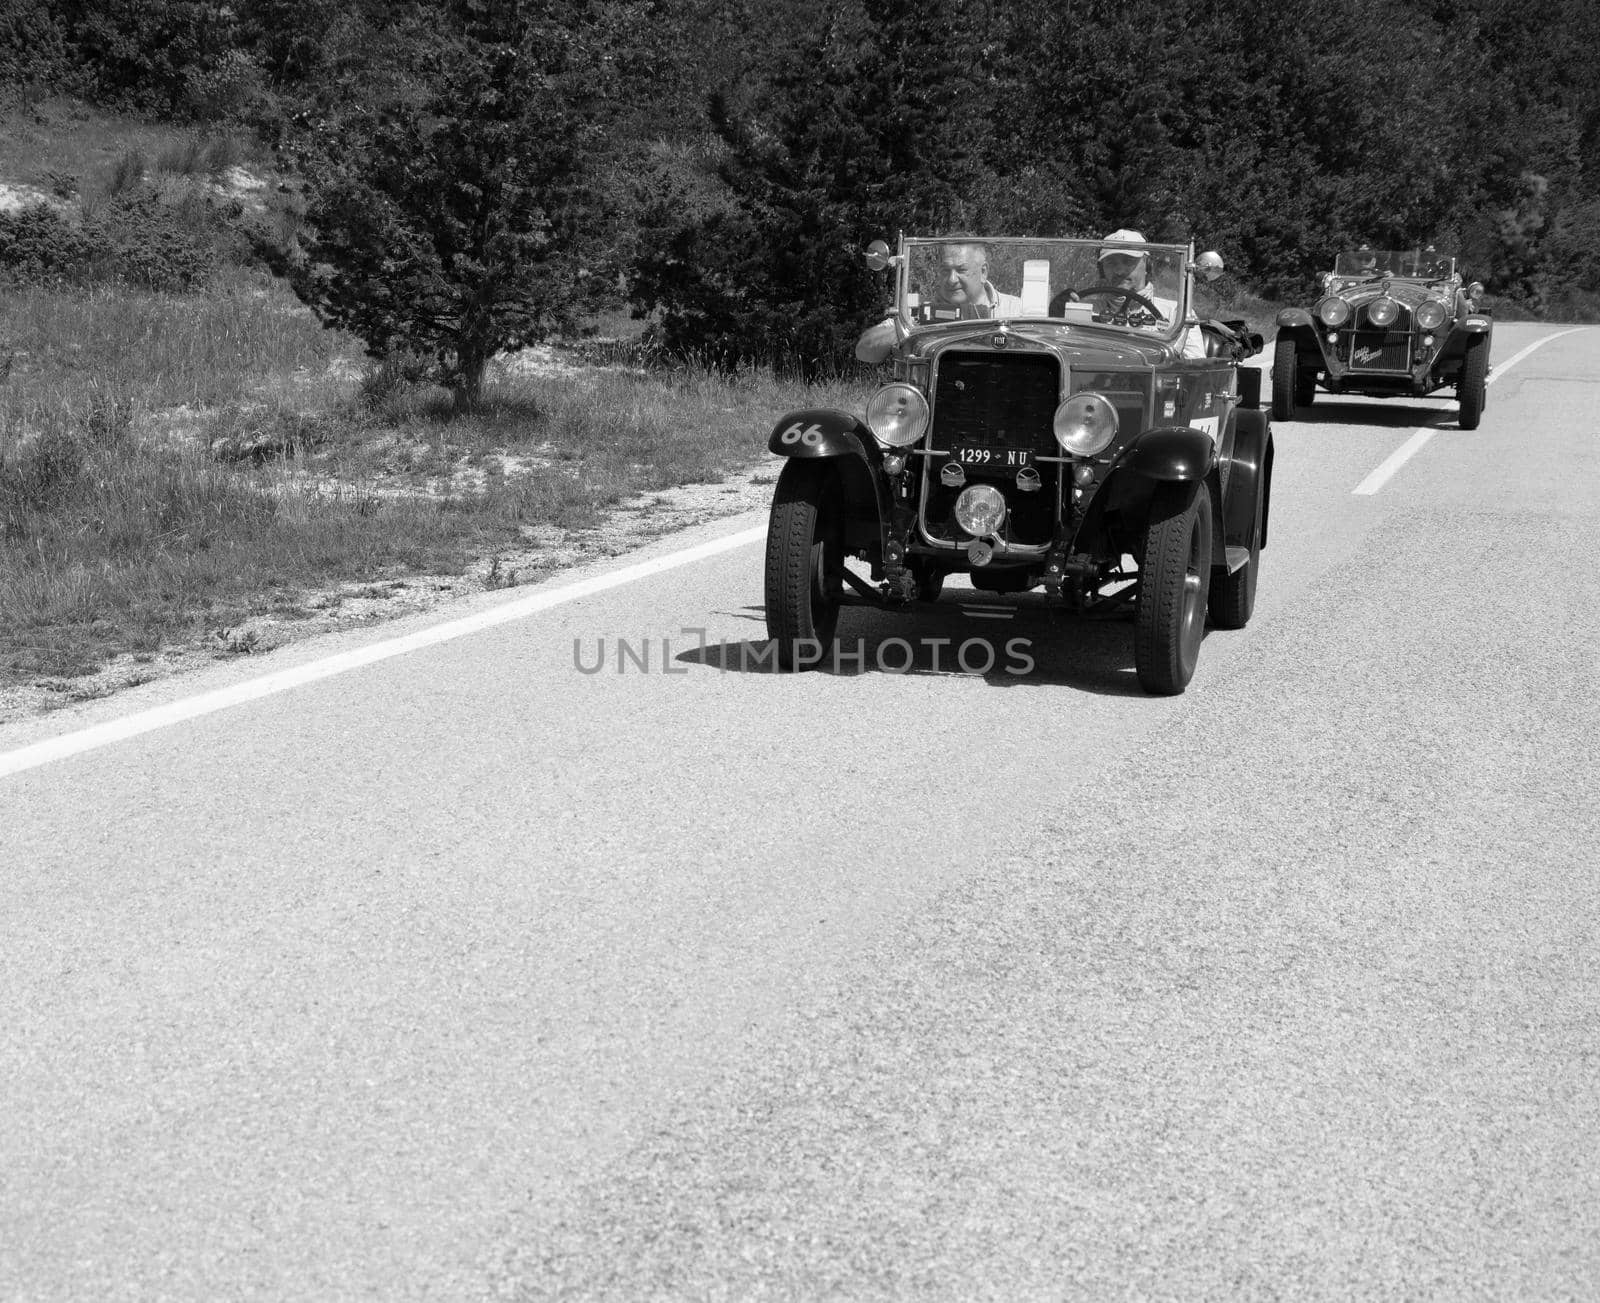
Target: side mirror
(1475,290)
(878,256)
(1208,266)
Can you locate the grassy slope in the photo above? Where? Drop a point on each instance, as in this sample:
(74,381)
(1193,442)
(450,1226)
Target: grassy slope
(170,464)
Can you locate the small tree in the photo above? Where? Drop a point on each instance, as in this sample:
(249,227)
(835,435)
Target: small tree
(462,217)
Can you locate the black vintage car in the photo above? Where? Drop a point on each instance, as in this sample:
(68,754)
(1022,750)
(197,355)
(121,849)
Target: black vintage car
(1390,323)
(1061,423)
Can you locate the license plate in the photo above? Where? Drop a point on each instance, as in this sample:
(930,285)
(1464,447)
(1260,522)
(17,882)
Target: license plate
(1003,459)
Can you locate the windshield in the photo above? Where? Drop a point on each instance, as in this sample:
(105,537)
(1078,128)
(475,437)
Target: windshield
(969,279)
(1425,264)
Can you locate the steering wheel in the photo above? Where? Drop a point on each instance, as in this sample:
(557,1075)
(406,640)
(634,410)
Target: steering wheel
(1128,309)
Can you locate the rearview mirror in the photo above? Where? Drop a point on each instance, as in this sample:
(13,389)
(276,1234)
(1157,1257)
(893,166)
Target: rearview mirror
(1208,266)
(878,256)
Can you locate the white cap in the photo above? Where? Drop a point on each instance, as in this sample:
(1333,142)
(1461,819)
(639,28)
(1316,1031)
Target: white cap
(1124,236)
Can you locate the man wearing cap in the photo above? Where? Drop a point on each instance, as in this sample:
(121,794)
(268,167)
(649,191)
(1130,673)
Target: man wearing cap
(1128,268)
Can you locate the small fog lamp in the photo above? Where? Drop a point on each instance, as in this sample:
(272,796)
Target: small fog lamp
(980,510)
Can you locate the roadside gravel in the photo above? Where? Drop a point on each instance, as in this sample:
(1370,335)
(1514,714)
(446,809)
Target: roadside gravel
(349,605)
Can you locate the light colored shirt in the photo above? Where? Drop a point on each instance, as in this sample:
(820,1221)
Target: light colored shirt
(1192,343)
(877,342)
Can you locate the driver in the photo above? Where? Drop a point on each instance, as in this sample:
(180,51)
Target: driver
(1128,269)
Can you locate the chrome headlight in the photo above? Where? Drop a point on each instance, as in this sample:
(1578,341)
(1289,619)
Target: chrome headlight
(980,510)
(1382,312)
(1333,311)
(1430,314)
(1085,424)
(897,415)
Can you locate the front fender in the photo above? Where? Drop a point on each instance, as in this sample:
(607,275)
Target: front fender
(1466,331)
(1296,324)
(1250,472)
(1168,453)
(827,433)
(823,432)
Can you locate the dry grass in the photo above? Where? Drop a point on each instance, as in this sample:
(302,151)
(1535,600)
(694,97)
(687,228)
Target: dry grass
(172,465)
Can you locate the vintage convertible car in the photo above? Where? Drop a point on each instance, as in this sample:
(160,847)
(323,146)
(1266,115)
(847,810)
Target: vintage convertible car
(1390,323)
(1049,435)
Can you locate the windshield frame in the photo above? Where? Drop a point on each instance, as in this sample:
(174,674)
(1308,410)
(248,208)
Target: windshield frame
(1170,263)
(1395,264)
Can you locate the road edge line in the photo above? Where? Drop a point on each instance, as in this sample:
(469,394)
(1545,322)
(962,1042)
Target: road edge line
(95,736)
(1412,446)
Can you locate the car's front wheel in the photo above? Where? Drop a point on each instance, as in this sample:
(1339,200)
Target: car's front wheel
(805,563)
(1472,388)
(1285,379)
(1175,576)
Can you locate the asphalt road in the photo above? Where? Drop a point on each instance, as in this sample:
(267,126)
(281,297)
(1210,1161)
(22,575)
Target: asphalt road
(463,968)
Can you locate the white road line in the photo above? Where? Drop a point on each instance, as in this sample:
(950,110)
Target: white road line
(1409,449)
(146,721)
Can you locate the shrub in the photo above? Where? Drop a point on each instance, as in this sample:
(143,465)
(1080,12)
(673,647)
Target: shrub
(41,472)
(39,245)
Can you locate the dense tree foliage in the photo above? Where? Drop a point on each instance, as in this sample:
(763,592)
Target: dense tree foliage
(873,120)
(728,155)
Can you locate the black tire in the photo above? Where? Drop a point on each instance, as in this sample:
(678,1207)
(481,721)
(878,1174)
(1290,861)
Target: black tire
(1175,577)
(805,563)
(1285,379)
(1472,388)
(1233,596)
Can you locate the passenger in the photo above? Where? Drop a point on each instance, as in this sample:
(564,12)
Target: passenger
(961,292)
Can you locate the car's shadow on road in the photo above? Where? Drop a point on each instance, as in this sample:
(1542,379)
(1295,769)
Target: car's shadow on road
(1008,642)
(1388,414)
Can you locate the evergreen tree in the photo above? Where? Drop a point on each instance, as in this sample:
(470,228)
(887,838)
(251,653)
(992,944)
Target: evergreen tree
(461,216)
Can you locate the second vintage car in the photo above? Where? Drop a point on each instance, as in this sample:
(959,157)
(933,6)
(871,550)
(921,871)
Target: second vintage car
(1390,323)
(1055,420)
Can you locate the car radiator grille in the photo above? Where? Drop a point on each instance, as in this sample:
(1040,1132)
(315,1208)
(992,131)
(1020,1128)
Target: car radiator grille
(996,400)
(1374,350)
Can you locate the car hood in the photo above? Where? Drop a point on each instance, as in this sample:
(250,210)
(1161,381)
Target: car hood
(1077,345)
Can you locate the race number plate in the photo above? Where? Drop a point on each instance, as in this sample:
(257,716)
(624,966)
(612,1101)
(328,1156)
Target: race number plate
(999,459)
